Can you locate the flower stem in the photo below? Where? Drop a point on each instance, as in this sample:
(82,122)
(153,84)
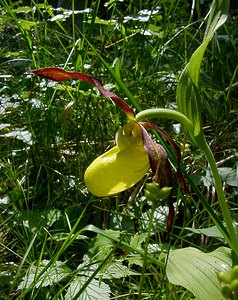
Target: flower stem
(233,243)
(165,113)
(145,264)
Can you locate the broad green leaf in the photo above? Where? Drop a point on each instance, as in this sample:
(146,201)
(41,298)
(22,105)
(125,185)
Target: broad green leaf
(117,270)
(124,245)
(228,175)
(49,276)
(218,16)
(103,245)
(197,271)
(210,231)
(36,220)
(136,242)
(96,290)
(138,239)
(188,97)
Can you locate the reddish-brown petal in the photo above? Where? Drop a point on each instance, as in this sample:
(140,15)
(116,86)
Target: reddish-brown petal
(159,163)
(168,138)
(176,149)
(162,172)
(59,75)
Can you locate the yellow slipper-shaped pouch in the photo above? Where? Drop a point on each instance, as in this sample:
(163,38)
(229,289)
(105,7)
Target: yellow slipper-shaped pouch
(122,166)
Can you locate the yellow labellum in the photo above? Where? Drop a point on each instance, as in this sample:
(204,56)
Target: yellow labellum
(122,166)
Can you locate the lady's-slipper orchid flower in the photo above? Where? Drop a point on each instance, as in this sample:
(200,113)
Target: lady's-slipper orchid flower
(133,155)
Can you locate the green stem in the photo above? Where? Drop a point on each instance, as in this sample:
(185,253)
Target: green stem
(202,144)
(222,201)
(165,113)
(142,278)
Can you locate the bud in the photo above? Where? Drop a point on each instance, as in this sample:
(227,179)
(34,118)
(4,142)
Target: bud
(165,192)
(234,285)
(154,193)
(224,277)
(234,272)
(153,188)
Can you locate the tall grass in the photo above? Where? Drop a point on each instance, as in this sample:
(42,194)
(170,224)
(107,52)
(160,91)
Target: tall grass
(57,241)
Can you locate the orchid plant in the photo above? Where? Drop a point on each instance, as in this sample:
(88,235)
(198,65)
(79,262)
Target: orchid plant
(135,152)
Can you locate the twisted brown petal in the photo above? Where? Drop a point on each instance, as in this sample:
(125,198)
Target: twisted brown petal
(59,75)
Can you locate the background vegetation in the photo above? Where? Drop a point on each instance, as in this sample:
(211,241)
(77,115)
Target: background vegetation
(51,243)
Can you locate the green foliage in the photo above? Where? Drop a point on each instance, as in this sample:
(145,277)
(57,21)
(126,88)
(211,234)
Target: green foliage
(188,96)
(57,241)
(49,276)
(229,282)
(197,270)
(189,103)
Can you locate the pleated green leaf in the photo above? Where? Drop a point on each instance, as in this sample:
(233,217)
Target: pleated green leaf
(197,271)
(188,96)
